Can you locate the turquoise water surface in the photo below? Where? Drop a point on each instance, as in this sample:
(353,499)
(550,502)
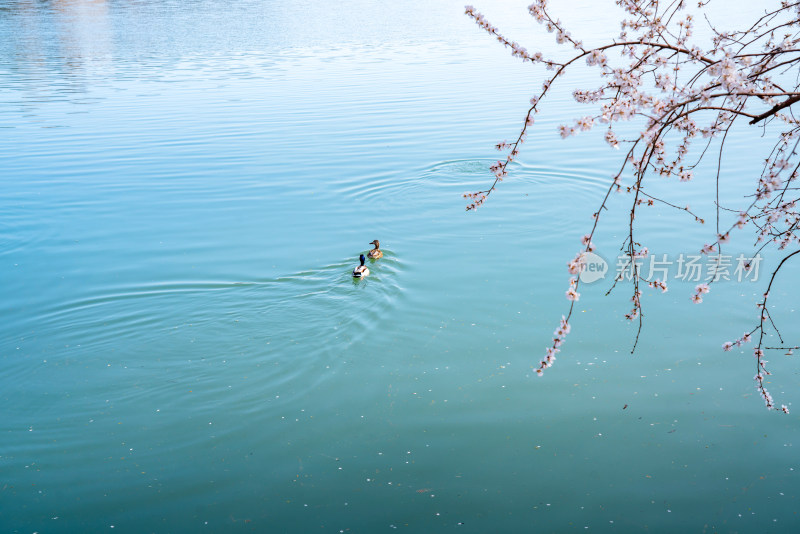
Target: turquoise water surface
(185,190)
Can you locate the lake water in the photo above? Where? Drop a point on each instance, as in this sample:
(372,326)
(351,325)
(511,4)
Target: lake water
(185,190)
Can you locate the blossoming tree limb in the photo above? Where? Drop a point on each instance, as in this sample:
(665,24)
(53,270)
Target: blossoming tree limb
(654,73)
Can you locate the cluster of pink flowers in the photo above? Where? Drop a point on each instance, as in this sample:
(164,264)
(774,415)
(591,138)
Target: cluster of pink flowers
(728,345)
(572,294)
(637,306)
(477,200)
(576,264)
(499,169)
(770,404)
(611,139)
(517,50)
(658,284)
(596,57)
(575,267)
(699,291)
(668,85)
(551,351)
(759,379)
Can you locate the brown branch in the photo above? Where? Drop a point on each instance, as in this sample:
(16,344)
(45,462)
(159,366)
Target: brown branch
(785,104)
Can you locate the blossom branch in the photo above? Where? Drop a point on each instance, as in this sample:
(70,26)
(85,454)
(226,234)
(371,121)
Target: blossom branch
(720,82)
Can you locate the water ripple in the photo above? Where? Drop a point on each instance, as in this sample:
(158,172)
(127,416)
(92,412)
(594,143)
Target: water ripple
(305,321)
(460,175)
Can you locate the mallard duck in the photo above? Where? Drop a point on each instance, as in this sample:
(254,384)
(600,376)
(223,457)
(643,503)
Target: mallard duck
(376,252)
(361,271)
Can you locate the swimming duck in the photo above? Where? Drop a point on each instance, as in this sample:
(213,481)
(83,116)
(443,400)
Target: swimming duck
(376,252)
(361,271)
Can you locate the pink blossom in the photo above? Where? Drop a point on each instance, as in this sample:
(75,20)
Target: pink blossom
(742,220)
(576,265)
(565,326)
(573,295)
(659,284)
(611,139)
(584,124)
(596,57)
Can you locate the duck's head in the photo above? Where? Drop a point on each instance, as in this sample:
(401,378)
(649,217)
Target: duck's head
(362,259)
(376,243)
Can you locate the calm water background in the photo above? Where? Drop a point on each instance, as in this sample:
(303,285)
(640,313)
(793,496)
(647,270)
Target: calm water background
(185,189)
